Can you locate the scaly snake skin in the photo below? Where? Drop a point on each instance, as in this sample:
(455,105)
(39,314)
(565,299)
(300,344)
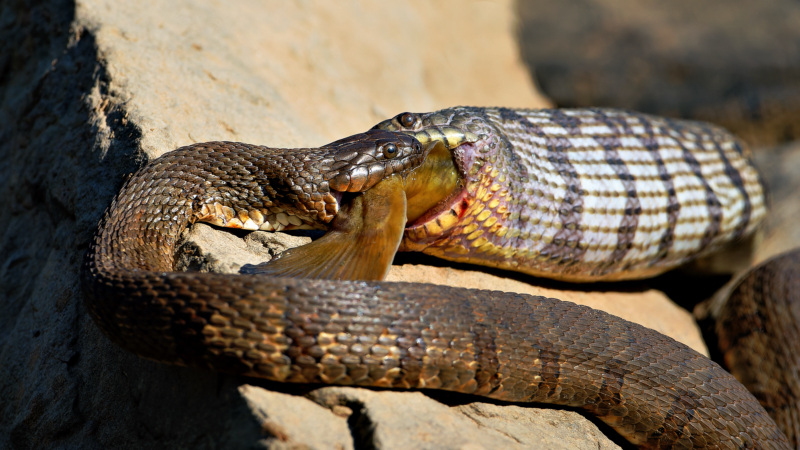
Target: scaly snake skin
(760,311)
(560,215)
(586,194)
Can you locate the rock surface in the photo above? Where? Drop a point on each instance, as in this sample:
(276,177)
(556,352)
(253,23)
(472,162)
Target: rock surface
(346,418)
(425,423)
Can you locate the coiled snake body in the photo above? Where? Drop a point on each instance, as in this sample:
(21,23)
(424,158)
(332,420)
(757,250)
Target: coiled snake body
(572,194)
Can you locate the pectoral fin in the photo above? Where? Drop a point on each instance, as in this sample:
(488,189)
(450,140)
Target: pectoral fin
(360,245)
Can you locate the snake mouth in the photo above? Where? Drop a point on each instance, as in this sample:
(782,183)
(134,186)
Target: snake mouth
(437,197)
(452,208)
(432,183)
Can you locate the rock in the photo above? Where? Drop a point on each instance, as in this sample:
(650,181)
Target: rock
(286,420)
(730,62)
(426,423)
(344,418)
(299,74)
(205,249)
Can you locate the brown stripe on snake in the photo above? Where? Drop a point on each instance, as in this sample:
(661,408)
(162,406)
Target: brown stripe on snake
(712,201)
(654,391)
(610,400)
(630,220)
(736,179)
(673,207)
(563,249)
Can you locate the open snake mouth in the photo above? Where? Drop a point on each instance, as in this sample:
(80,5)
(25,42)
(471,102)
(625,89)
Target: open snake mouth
(431,184)
(451,208)
(437,194)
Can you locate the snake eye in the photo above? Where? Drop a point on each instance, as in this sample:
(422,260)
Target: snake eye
(408,119)
(389,151)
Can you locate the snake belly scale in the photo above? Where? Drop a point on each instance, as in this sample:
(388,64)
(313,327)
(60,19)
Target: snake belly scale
(649,194)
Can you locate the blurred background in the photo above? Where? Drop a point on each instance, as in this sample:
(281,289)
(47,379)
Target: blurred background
(732,62)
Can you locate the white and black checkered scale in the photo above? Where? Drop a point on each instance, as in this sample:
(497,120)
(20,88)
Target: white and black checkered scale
(586,194)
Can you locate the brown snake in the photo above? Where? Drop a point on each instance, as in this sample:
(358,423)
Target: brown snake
(758,329)
(534,191)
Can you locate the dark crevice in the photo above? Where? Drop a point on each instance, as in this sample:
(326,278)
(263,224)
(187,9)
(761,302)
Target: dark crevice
(362,428)
(687,289)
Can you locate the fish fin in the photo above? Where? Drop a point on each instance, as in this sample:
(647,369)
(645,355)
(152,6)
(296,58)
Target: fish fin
(360,244)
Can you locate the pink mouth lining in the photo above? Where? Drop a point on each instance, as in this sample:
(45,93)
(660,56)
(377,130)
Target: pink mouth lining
(458,201)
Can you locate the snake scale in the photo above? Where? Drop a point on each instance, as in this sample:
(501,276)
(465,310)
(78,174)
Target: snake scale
(581,195)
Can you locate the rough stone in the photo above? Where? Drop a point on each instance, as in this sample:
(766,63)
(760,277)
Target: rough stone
(205,249)
(294,422)
(427,424)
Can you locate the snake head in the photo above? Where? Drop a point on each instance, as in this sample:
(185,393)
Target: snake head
(359,162)
(449,127)
(462,141)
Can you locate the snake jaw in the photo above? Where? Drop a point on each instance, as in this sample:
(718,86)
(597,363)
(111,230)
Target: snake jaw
(456,212)
(277,219)
(437,224)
